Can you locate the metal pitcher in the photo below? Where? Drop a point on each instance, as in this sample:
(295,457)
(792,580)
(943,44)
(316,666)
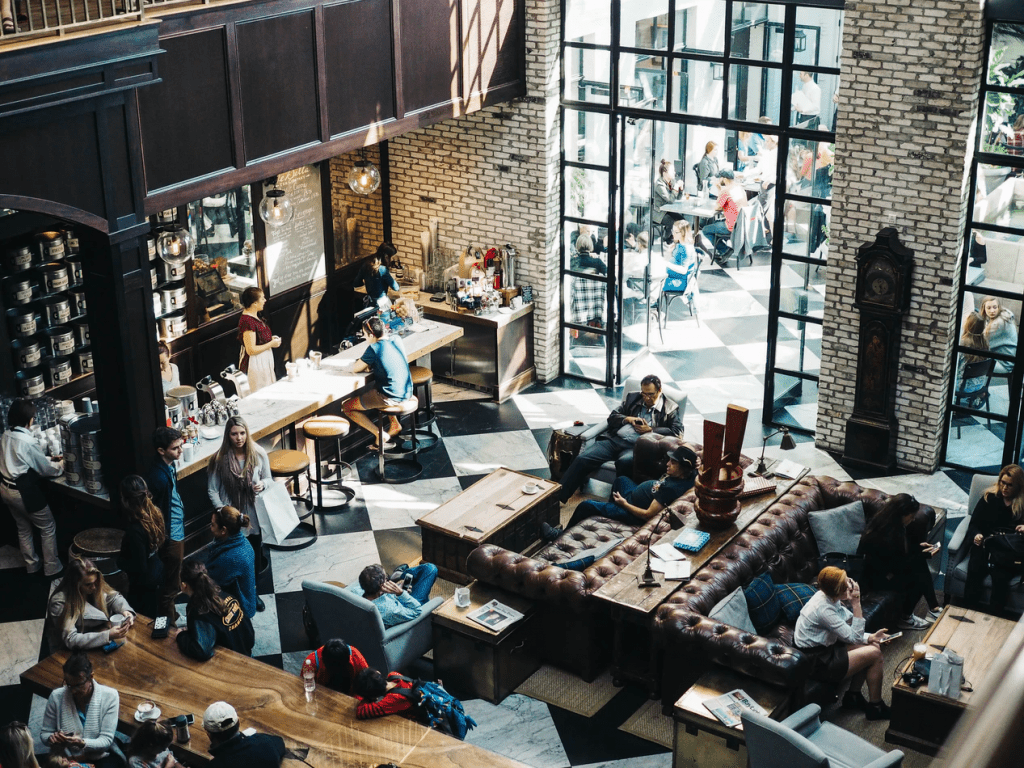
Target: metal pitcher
(212,389)
(238,379)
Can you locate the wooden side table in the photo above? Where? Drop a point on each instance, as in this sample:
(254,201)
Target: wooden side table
(700,738)
(476,662)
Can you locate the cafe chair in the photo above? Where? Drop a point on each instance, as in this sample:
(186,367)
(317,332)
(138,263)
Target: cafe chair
(291,465)
(340,613)
(403,456)
(688,293)
(422,385)
(317,430)
(803,741)
(981,369)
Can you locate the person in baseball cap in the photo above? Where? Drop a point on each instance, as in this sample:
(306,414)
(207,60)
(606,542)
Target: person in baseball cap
(232,749)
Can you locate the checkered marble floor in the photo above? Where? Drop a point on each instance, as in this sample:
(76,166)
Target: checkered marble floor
(379,526)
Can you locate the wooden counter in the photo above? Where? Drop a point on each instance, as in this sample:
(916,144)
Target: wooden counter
(267,699)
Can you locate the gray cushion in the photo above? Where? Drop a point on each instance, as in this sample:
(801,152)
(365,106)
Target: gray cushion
(838,529)
(732,610)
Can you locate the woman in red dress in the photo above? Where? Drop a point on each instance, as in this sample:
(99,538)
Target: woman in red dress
(256,358)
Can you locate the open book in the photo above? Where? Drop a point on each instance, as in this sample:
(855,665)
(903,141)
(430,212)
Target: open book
(729,706)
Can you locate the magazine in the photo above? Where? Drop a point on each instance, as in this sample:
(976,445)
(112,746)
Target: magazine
(674,570)
(729,706)
(787,469)
(495,616)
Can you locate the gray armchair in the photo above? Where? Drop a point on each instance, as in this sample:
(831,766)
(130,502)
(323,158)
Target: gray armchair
(802,741)
(959,551)
(340,613)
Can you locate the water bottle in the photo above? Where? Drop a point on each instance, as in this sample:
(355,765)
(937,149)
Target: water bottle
(308,682)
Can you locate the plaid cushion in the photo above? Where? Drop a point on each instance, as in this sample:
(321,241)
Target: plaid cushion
(762,602)
(793,597)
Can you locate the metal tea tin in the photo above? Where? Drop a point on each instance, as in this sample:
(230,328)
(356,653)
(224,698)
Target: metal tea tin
(173,412)
(173,297)
(75,274)
(71,241)
(174,325)
(152,277)
(30,383)
(61,340)
(23,322)
(56,309)
(151,246)
(168,216)
(77,299)
(28,353)
(170,273)
(55,277)
(50,247)
(58,371)
(21,290)
(83,361)
(81,331)
(18,259)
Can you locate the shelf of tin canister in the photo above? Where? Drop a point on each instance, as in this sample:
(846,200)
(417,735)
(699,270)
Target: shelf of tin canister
(165,314)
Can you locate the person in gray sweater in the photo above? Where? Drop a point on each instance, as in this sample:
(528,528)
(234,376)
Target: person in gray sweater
(81,717)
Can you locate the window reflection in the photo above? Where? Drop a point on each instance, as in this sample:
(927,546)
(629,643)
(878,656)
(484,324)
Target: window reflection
(698,87)
(588,21)
(1004,124)
(225,261)
(1004,54)
(644,24)
(642,81)
(757,31)
(818,36)
(586,193)
(813,101)
(585,136)
(998,196)
(754,93)
(807,229)
(587,75)
(700,27)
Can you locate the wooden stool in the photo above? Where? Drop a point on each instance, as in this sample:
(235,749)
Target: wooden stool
(102,546)
(402,456)
(329,428)
(291,465)
(422,379)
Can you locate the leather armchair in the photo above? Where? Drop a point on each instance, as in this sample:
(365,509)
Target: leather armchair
(340,613)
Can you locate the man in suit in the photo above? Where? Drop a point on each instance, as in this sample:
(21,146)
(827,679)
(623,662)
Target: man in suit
(641,412)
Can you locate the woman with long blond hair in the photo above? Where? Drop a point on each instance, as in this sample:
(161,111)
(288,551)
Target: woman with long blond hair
(682,258)
(1000,331)
(16,746)
(84,612)
(973,336)
(237,472)
(1001,507)
(139,558)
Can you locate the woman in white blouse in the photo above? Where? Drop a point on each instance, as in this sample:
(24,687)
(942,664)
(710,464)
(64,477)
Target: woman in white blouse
(834,637)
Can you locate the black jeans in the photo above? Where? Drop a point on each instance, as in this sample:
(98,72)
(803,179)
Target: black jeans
(977,569)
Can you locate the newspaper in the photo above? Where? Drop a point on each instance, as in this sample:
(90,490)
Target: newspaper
(729,706)
(495,616)
(674,570)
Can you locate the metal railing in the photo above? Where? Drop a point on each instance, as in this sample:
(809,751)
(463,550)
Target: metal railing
(29,19)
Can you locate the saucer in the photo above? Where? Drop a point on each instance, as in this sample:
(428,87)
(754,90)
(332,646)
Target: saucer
(153,715)
(526,489)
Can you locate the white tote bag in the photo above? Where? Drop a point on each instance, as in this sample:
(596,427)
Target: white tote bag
(276,512)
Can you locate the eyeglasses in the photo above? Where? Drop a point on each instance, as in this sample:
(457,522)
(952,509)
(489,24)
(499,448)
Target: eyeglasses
(650,395)
(79,686)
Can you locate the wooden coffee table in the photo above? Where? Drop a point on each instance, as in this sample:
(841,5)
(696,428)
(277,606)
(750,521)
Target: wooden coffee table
(494,510)
(922,720)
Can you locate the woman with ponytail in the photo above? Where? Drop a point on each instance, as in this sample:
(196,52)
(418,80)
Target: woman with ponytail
(142,540)
(232,563)
(212,619)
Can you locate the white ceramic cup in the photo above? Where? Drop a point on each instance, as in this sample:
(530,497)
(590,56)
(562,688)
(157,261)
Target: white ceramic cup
(146,710)
(315,358)
(531,488)
(462,597)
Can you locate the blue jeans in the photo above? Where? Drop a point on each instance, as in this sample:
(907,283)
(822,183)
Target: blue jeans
(585,509)
(717,232)
(423,577)
(604,448)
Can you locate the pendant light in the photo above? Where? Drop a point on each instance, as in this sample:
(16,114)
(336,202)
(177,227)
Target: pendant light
(276,209)
(175,246)
(364,178)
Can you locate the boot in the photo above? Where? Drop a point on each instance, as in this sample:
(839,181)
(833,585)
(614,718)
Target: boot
(256,542)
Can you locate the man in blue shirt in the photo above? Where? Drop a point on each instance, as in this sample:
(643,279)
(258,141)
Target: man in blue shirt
(391,377)
(163,485)
(393,603)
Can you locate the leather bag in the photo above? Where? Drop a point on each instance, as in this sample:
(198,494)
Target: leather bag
(852,564)
(1006,550)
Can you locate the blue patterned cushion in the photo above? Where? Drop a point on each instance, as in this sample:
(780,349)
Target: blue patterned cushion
(762,603)
(793,597)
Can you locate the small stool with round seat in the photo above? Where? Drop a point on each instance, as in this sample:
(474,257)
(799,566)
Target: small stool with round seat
(290,464)
(404,457)
(318,429)
(422,380)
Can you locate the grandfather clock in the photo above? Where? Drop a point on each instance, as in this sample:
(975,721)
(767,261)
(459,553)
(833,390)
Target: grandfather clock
(882,296)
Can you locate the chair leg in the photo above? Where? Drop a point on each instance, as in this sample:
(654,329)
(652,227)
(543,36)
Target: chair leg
(319,477)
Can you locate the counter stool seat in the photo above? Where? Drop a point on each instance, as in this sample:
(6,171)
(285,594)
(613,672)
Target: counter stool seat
(290,464)
(402,456)
(422,381)
(318,429)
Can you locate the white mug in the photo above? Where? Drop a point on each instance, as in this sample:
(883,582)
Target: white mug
(462,597)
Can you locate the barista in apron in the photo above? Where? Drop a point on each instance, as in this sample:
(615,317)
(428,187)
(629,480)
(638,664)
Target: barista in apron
(256,357)
(22,463)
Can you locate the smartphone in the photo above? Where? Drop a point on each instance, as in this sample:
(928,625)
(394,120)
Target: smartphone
(893,636)
(112,646)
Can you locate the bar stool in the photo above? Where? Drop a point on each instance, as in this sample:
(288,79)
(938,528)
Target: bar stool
(291,465)
(404,457)
(334,428)
(422,380)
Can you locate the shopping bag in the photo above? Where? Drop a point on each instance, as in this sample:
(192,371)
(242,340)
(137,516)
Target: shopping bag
(276,513)
(946,674)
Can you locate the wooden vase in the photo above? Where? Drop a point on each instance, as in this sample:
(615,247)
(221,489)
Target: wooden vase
(716,508)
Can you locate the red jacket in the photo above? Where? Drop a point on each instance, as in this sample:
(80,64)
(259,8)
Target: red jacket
(390,704)
(341,680)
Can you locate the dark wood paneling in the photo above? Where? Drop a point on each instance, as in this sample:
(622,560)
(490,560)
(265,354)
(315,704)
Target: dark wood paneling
(490,47)
(117,162)
(429,52)
(360,87)
(277,74)
(186,120)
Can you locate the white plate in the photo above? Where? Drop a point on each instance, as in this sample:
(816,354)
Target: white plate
(154,715)
(526,489)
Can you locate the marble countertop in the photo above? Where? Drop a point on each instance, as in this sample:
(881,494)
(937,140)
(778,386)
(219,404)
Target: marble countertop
(442,310)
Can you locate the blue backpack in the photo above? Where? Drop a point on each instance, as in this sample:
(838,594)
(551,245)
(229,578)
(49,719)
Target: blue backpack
(435,707)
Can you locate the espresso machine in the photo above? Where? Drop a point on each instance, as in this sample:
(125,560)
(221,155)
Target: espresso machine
(238,379)
(212,390)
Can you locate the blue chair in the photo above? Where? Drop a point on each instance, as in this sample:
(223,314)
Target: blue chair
(675,289)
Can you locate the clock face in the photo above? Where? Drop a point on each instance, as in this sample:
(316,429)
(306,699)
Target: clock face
(879,285)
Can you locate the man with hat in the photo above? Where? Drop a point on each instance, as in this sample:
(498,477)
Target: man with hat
(231,749)
(636,504)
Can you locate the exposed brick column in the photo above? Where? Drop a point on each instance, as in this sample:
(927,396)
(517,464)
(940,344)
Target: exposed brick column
(492,178)
(904,138)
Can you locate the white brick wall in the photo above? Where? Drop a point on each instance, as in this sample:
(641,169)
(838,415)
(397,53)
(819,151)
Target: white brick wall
(904,135)
(367,210)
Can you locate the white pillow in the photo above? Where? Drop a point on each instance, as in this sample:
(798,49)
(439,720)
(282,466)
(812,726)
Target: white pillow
(732,610)
(838,529)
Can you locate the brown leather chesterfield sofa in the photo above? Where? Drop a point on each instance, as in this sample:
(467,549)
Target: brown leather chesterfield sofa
(779,542)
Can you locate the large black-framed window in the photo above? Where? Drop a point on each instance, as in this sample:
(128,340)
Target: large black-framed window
(717,65)
(984,427)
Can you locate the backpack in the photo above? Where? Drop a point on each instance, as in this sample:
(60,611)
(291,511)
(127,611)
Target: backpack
(435,707)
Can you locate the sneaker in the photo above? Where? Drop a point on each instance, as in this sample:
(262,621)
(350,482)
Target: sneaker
(399,573)
(854,700)
(549,533)
(913,622)
(933,615)
(876,710)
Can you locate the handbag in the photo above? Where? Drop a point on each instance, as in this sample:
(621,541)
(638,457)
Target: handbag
(852,564)
(946,675)
(1006,550)
(563,448)
(276,513)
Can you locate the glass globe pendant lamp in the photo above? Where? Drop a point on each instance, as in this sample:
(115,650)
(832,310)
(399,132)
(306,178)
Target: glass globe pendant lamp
(364,178)
(175,247)
(276,209)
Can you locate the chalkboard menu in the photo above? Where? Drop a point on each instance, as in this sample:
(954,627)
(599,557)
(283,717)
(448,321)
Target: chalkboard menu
(295,252)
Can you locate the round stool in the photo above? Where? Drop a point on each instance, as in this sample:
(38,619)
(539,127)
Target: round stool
(422,379)
(291,465)
(402,456)
(334,428)
(102,546)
